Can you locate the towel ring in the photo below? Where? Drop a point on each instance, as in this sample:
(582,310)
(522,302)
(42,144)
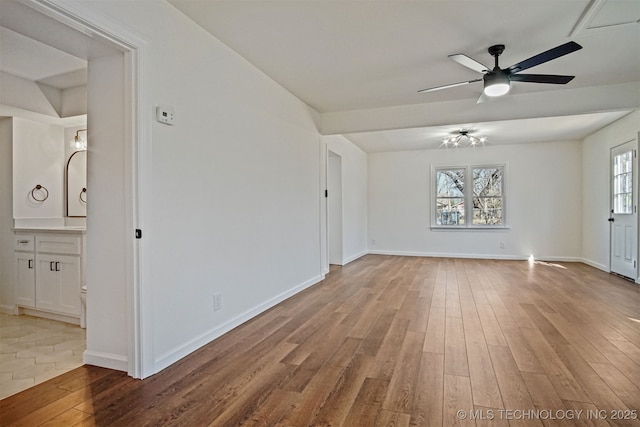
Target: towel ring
(44,189)
(83,192)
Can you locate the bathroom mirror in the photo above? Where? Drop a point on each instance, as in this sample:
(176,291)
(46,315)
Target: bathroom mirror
(76,179)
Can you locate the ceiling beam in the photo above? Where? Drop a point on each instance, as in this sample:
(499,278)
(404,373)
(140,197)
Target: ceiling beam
(622,96)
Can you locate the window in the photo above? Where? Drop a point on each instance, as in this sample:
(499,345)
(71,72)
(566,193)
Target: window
(623,183)
(485,197)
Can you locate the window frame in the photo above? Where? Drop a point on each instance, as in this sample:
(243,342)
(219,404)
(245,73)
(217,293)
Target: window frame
(468,197)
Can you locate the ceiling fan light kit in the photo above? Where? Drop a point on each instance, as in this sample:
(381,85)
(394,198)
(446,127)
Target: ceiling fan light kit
(496,84)
(497,81)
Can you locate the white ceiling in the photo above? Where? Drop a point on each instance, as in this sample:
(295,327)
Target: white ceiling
(35,61)
(367,59)
(345,56)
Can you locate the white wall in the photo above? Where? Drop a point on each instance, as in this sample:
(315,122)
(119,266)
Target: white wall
(596,194)
(38,159)
(543,207)
(354,196)
(107,234)
(235,203)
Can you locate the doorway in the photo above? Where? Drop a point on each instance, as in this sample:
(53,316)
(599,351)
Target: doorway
(113,267)
(334,208)
(624,210)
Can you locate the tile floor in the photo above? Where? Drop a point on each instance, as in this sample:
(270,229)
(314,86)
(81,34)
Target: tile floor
(33,350)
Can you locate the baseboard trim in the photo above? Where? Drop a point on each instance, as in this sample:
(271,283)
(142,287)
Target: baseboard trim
(595,264)
(354,257)
(48,315)
(178,353)
(475,256)
(106,360)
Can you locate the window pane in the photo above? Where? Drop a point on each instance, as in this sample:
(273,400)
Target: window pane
(450,211)
(623,183)
(487,182)
(487,210)
(487,200)
(450,183)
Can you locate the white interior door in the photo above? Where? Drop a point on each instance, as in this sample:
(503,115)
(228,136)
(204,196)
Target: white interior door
(624,212)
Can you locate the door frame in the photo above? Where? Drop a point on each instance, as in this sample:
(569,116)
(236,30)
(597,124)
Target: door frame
(137,125)
(332,221)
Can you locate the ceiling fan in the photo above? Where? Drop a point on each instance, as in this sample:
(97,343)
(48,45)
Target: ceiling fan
(497,81)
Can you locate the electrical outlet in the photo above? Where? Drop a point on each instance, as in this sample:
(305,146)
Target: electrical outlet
(501,245)
(373,241)
(217,302)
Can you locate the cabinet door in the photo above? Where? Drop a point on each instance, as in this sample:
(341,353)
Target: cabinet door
(47,283)
(69,284)
(25,280)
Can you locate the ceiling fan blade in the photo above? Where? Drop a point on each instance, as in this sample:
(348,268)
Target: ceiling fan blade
(543,57)
(541,78)
(482,98)
(432,89)
(469,63)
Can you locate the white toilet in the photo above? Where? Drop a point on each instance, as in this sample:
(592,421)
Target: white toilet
(83,309)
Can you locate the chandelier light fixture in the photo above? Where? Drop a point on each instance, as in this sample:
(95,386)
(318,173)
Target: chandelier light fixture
(464,139)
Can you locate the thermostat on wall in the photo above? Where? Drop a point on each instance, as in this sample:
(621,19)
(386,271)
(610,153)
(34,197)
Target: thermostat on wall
(165,115)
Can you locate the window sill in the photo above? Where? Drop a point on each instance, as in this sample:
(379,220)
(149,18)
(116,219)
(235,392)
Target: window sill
(501,228)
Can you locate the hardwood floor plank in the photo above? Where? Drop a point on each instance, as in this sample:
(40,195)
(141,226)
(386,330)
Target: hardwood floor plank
(69,417)
(402,387)
(274,408)
(386,358)
(627,391)
(376,334)
(368,403)
(388,340)
(434,337)
(597,390)
(429,398)
(573,334)
(313,396)
(628,348)
(336,407)
(562,379)
(457,397)
(484,384)
(513,389)
(522,353)
(388,418)
(455,353)
(490,326)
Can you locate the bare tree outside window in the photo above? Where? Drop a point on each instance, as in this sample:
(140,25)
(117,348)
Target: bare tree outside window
(486,198)
(450,198)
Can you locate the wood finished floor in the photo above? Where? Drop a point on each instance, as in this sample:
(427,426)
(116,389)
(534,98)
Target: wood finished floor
(394,341)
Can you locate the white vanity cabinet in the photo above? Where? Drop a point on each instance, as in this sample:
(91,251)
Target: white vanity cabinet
(49,272)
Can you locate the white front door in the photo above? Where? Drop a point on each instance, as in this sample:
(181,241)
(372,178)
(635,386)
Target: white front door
(624,216)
